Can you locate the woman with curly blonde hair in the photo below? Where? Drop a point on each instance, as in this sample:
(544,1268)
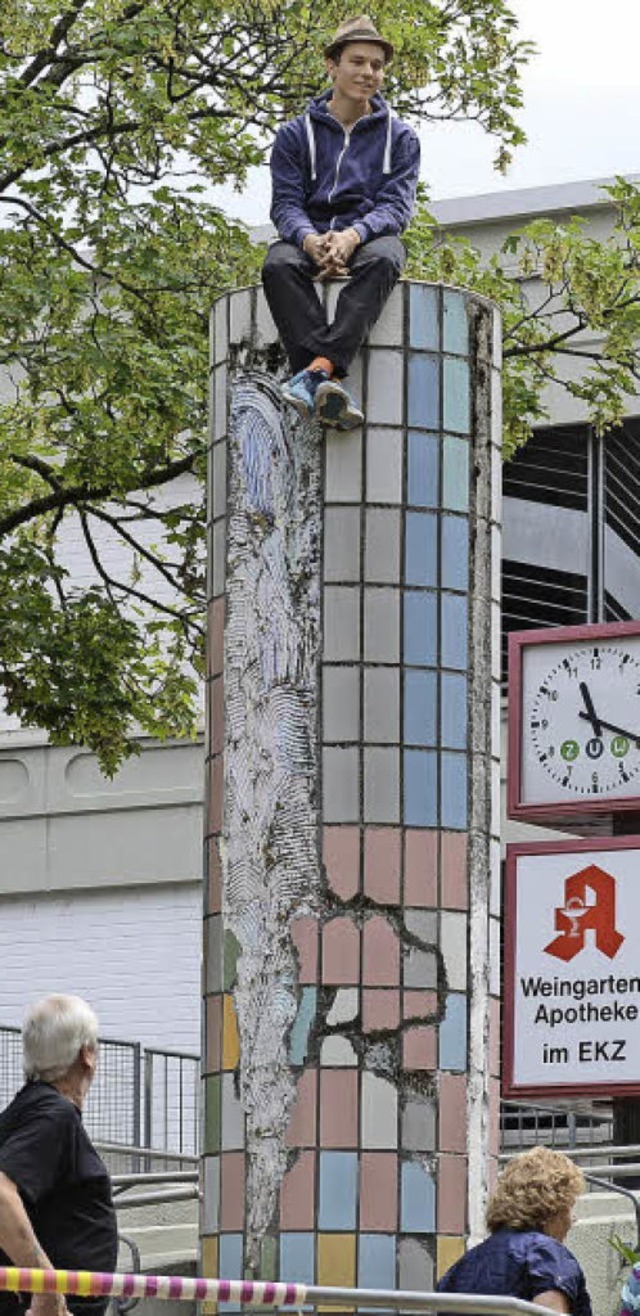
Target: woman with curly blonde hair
(529,1216)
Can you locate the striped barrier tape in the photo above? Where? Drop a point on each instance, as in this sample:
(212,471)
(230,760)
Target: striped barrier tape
(88,1284)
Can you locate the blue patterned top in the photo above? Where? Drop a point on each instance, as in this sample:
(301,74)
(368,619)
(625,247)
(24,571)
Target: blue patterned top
(520,1264)
(631,1293)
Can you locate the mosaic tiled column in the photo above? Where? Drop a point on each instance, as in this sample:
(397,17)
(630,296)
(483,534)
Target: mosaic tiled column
(352,899)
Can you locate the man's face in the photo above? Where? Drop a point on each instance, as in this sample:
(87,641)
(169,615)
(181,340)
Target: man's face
(359,72)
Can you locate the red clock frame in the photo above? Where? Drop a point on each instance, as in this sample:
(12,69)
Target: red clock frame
(510,1090)
(556,813)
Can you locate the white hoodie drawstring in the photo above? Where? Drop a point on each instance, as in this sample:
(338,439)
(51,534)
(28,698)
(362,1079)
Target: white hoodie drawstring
(386,162)
(312,144)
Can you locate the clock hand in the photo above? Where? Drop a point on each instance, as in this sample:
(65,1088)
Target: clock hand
(591,712)
(617,731)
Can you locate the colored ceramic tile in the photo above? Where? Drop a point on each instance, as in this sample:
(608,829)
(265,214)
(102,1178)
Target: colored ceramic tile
(420,617)
(420,788)
(338,1195)
(455,474)
(448,1251)
(418,1125)
(423,469)
(341,796)
(454,770)
(379,1112)
(453,946)
(424,925)
(421,867)
(240,315)
(454,889)
(388,331)
(232,1125)
(343,468)
(423,407)
(218,557)
(452,1131)
(453,710)
(380,953)
(452,1194)
(213,1034)
(384,386)
(232,951)
(220,400)
(421,548)
(380,1009)
(302,1123)
(417,1199)
(341,952)
(340,704)
(337,1260)
(424,317)
(211,1194)
(378,1192)
(384,464)
(382,625)
(214,891)
(265,330)
(382,545)
(212,1113)
(381,785)
(213,954)
(419,1005)
(341,544)
(232,1190)
(297,1195)
(382,864)
(420,707)
(341,633)
(231,1037)
(297,1258)
(216,795)
(453,1033)
(218,459)
(454,623)
(338,1110)
(376,1261)
(268,1258)
(494,1037)
(456,402)
(341,855)
(221,328)
(420,1048)
(454,567)
(302,1025)
(209,1253)
(304,935)
(415,1265)
(381,705)
(215,636)
(455,324)
(346,1004)
(231,1266)
(338,1053)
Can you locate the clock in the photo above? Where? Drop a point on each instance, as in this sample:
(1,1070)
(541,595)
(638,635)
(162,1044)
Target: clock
(574,722)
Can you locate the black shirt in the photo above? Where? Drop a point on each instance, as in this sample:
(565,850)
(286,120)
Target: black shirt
(64,1185)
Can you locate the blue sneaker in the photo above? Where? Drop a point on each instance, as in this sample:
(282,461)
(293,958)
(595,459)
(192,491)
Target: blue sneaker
(300,391)
(335,407)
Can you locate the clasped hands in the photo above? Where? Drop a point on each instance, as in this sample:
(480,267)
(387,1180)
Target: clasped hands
(331,251)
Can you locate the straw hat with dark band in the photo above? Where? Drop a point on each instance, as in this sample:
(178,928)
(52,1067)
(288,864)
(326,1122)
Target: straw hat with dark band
(357,29)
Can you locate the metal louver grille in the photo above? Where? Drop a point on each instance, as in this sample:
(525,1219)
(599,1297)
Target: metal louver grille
(533,596)
(621,454)
(553,468)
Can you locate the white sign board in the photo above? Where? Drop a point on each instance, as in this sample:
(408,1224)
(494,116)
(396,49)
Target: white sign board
(572,969)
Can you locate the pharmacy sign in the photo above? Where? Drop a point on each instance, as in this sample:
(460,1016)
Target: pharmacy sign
(572,969)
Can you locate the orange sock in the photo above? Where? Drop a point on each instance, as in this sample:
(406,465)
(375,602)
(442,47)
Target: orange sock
(322,363)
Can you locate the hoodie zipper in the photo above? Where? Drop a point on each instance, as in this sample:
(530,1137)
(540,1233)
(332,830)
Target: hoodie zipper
(347,139)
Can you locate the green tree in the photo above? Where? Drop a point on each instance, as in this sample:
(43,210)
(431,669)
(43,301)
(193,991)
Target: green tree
(115,118)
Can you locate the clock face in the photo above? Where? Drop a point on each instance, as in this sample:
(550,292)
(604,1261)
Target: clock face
(581,721)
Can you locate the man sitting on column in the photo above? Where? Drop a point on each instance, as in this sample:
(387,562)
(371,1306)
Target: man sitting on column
(344,178)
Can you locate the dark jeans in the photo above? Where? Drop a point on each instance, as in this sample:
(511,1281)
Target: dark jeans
(288,278)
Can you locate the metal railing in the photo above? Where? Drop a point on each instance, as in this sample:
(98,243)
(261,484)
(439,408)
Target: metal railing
(525,1125)
(141,1097)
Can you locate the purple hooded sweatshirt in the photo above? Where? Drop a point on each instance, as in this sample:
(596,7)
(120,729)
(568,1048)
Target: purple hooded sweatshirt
(328,177)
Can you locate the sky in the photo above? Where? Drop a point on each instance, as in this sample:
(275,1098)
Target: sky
(581,111)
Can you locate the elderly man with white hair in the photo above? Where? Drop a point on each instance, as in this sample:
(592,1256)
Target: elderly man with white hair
(55,1195)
